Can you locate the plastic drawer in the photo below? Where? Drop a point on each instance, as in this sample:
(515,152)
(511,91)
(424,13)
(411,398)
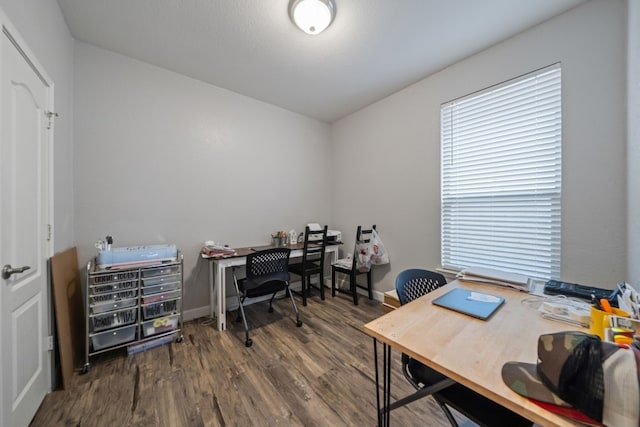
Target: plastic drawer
(114,277)
(113,296)
(161,271)
(148,290)
(158,309)
(113,337)
(115,286)
(159,325)
(114,319)
(113,305)
(148,299)
(159,280)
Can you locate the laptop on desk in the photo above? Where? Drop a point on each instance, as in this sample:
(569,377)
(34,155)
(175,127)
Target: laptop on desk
(471,303)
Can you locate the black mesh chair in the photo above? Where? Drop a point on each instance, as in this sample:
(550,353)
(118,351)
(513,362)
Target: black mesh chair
(362,236)
(412,284)
(267,272)
(313,254)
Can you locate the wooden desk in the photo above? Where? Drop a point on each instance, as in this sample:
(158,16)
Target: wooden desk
(468,350)
(218,277)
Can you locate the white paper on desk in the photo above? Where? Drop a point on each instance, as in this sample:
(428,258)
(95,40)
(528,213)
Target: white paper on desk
(314,226)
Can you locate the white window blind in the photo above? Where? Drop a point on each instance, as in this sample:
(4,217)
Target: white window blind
(501,177)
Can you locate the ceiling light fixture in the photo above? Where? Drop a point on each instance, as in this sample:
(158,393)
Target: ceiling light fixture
(312,16)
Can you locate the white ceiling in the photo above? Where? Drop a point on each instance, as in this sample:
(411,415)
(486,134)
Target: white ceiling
(372,49)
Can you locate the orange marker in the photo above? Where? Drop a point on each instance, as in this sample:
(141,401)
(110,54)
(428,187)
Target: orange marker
(604,303)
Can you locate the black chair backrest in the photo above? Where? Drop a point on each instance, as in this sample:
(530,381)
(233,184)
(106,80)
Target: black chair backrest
(362,236)
(415,282)
(315,243)
(267,266)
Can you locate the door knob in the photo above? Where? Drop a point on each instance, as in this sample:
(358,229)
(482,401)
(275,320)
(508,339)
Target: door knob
(7,270)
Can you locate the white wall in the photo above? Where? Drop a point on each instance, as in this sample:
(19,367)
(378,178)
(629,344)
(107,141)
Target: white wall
(162,158)
(43,28)
(633,136)
(398,185)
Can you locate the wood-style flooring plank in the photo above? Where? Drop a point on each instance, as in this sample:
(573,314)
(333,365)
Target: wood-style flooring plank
(321,374)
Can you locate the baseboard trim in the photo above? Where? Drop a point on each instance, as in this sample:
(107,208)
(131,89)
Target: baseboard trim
(194,313)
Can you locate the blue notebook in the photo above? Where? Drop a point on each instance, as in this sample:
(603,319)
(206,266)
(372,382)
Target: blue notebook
(472,303)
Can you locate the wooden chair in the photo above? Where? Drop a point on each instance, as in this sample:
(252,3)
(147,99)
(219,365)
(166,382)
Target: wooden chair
(412,284)
(267,273)
(362,236)
(313,254)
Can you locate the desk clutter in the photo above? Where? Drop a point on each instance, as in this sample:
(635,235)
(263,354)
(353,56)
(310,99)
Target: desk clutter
(617,319)
(613,315)
(211,249)
(280,238)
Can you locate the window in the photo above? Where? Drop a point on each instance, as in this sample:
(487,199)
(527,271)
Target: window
(501,177)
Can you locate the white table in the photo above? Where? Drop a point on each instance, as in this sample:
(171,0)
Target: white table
(218,282)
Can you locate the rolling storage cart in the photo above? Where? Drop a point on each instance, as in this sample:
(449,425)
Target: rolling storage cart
(128,306)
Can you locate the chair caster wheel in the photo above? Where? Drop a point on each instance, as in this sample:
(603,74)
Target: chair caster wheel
(248,342)
(299,323)
(270,309)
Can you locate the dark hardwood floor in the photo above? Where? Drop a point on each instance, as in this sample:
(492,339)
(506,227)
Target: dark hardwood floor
(321,374)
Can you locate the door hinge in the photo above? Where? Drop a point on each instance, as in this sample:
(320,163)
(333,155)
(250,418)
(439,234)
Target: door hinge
(50,115)
(49,342)
(49,232)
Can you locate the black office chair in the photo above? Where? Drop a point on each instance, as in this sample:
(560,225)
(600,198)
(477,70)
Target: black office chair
(313,252)
(412,284)
(362,236)
(267,272)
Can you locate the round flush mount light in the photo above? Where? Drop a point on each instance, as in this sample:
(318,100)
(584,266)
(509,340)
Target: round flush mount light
(312,16)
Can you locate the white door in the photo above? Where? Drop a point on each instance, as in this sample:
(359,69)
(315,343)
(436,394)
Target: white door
(24,233)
